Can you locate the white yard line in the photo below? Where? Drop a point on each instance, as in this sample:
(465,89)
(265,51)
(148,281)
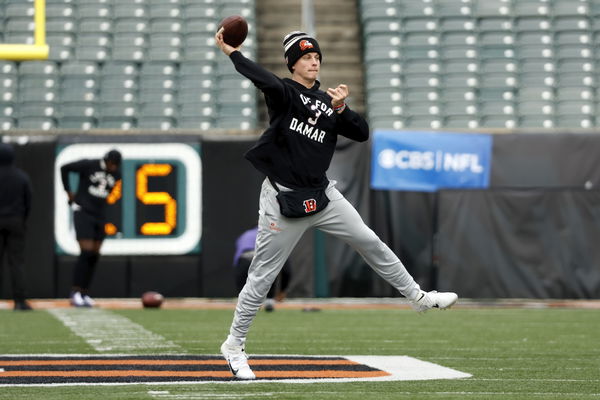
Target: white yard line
(165,394)
(107,331)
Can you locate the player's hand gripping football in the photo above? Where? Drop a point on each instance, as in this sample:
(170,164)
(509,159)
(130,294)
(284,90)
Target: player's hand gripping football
(225,48)
(338,95)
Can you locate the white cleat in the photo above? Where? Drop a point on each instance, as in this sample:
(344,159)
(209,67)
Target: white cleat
(237,360)
(88,301)
(433,299)
(77,300)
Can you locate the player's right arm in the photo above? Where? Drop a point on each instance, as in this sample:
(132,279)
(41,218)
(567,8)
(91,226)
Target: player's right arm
(263,79)
(65,170)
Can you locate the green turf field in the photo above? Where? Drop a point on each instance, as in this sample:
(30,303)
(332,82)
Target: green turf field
(511,353)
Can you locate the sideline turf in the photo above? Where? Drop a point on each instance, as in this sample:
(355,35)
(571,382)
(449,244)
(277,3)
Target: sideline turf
(512,353)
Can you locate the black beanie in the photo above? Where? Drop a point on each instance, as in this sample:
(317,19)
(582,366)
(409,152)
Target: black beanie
(114,156)
(296,44)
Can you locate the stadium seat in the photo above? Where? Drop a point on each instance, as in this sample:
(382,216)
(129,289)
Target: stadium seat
(59,10)
(381,25)
(199,25)
(120,68)
(18,10)
(569,8)
(536,121)
(498,121)
(496,108)
(455,107)
(166,25)
(160,68)
(37,123)
(461,122)
(389,122)
(78,123)
(452,8)
(158,109)
(94,10)
(78,110)
(82,69)
(495,38)
(196,122)
(7,123)
(495,23)
(120,123)
(425,24)
(43,68)
(162,123)
(165,10)
(535,24)
(92,53)
(533,93)
(536,108)
(195,10)
(95,25)
(128,10)
(575,93)
(392,96)
(37,109)
(458,38)
(458,95)
(498,66)
(61,25)
(131,25)
(423,122)
(237,9)
(571,23)
(8,69)
(531,7)
(491,8)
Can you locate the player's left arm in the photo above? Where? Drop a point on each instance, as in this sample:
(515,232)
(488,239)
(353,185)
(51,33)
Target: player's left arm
(349,123)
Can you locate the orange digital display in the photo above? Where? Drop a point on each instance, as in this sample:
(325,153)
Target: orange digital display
(164,199)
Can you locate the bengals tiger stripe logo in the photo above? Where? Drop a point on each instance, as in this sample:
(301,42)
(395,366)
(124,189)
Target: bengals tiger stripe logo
(305,44)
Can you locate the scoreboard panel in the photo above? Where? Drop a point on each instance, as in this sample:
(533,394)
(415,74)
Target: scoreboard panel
(154,210)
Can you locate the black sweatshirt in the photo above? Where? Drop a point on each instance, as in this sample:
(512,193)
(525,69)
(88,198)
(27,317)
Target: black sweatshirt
(297,148)
(95,184)
(15,186)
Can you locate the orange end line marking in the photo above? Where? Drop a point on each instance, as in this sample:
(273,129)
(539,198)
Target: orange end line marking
(174,362)
(196,374)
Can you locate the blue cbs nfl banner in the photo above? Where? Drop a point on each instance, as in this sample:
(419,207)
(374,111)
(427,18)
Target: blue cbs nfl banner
(428,161)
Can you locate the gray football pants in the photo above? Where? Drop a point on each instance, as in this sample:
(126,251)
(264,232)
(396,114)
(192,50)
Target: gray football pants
(278,235)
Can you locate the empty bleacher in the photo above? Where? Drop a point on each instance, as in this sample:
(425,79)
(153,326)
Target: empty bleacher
(465,64)
(126,64)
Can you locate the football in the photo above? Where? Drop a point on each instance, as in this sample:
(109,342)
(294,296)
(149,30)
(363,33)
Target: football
(152,299)
(235,30)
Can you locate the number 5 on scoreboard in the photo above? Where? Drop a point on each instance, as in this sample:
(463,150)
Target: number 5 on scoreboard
(164,199)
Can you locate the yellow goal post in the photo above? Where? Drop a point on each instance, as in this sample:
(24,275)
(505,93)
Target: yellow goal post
(39,49)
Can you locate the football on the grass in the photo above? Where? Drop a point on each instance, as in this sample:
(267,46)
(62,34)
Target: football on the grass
(235,30)
(152,299)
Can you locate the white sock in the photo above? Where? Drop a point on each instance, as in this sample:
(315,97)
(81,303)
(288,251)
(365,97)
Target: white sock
(235,341)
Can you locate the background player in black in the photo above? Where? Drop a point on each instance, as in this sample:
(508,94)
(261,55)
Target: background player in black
(97,178)
(15,203)
(295,152)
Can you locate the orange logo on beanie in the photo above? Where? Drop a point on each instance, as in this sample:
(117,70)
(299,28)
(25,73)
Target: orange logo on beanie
(305,44)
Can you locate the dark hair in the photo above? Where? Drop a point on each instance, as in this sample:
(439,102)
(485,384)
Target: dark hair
(113,156)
